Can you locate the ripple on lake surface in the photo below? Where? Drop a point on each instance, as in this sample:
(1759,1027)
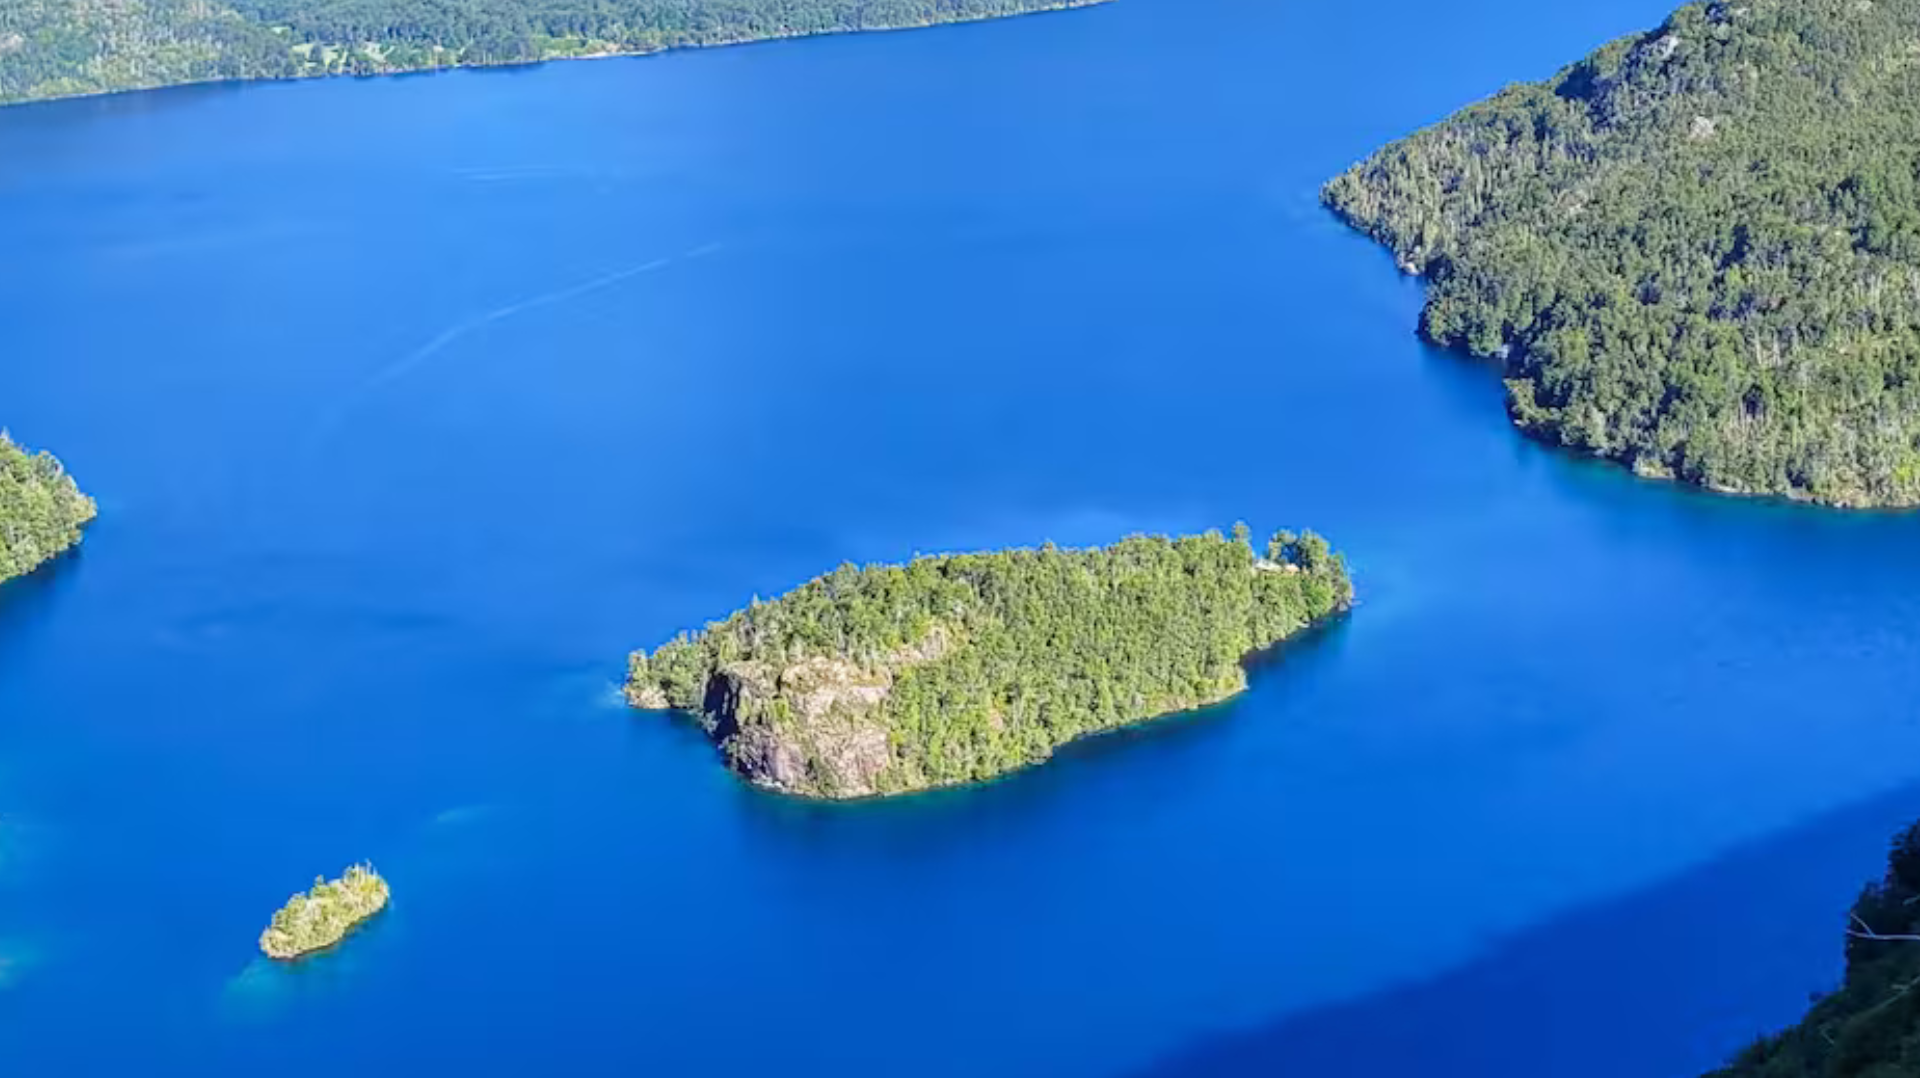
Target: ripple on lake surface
(373,552)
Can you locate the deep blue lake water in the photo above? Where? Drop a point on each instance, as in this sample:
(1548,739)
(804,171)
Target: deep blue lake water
(413,404)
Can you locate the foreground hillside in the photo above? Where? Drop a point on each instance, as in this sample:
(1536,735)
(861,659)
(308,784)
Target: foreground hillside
(1696,252)
(955,669)
(41,510)
(57,48)
(1870,1028)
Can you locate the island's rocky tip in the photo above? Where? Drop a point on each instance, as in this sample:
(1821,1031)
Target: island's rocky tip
(42,512)
(957,668)
(324,915)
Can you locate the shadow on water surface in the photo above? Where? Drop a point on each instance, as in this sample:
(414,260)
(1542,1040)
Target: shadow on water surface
(24,600)
(266,988)
(59,113)
(1475,383)
(1709,960)
(122,105)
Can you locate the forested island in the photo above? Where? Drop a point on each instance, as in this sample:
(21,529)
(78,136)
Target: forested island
(42,511)
(1695,252)
(63,48)
(1870,1028)
(324,915)
(956,668)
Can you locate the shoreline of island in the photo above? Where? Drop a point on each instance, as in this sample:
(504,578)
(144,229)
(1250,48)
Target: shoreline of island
(953,670)
(43,512)
(1085,738)
(1657,289)
(321,917)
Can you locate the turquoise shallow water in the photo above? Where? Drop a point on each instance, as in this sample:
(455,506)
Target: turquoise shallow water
(412,404)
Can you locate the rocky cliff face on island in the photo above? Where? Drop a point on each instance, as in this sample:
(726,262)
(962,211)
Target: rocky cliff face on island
(816,726)
(954,669)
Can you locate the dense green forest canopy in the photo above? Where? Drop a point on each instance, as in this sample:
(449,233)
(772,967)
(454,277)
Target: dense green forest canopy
(1696,251)
(41,510)
(54,48)
(1870,1028)
(955,668)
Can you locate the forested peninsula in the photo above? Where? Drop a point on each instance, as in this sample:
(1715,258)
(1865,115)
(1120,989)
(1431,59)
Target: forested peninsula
(953,669)
(1695,252)
(63,48)
(41,510)
(1870,1028)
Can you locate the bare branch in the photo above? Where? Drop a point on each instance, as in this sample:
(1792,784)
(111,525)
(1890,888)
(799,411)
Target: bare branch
(1866,933)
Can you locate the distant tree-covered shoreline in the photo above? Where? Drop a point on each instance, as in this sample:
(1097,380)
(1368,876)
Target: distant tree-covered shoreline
(65,48)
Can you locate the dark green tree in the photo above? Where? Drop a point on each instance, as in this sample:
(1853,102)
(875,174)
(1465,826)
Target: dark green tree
(41,510)
(1694,252)
(53,48)
(1870,1028)
(956,668)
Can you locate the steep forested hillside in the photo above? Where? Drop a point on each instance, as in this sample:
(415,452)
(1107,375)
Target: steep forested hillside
(1696,252)
(957,668)
(53,48)
(1870,1028)
(41,510)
